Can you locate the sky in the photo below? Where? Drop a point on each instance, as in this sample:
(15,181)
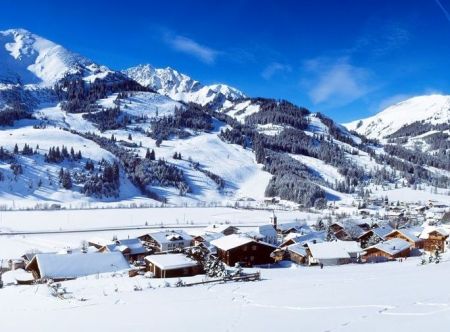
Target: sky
(346,59)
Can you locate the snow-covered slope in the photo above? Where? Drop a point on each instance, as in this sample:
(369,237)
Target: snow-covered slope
(26,58)
(434,109)
(178,86)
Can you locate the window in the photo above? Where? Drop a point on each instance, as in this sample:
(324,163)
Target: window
(254,247)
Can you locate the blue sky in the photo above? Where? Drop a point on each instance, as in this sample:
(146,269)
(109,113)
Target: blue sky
(347,59)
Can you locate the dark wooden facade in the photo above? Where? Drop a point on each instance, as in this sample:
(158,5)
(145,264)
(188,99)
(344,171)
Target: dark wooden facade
(435,242)
(174,273)
(377,255)
(252,253)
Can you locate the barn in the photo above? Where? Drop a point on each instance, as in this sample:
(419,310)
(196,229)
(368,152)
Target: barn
(172,266)
(241,249)
(75,265)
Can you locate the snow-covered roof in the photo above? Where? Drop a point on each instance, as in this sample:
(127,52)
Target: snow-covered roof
(170,236)
(409,233)
(430,229)
(68,266)
(218,228)
(290,225)
(171,261)
(327,250)
(297,249)
(208,237)
(382,231)
(350,247)
(231,241)
(130,246)
(392,246)
(313,237)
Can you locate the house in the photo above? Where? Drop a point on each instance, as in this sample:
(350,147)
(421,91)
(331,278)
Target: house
(304,239)
(133,249)
(297,253)
(388,250)
(378,234)
(242,249)
(167,240)
(327,253)
(222,228)
(75,265)
(407,235)
(172,266)
(435,239)
(291,227)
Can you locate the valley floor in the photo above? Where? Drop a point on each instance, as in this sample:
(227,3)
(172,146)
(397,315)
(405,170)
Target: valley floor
(371,297)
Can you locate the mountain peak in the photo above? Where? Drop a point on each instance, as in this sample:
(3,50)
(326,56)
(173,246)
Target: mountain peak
(433,109)
(178,86)
(27,58)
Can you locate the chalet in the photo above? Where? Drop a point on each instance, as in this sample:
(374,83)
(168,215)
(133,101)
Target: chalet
(75,265)
(241,249)
(388,250)
(222,229)
(378,234)
(408,235)
(304,239)
(327,253)
(297,253)
(291,227)
(172,266)
(167,240)
(352,248)
(132,249)
(435,239)
(204,241)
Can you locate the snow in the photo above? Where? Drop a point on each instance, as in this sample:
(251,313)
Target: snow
(171,261)
(31,59)
(181,87)
(327,172)
(327,250)
(75,265)
(231,241)
(392,246)
(430,108)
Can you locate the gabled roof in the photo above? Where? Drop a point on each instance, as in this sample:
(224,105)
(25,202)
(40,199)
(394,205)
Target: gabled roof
(351,247)
(69,266)
(313,237)
(267,230)
(327,250)
(428,230)
(170,236)
(392,246)
(382,231)
(234,241)
(297,249)
(171,261)
(408,233)
(218,228)
(130,246)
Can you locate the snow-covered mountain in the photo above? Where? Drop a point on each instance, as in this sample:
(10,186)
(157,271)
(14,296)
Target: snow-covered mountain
(132,137)
(26,58)
(432,109)
(178,86)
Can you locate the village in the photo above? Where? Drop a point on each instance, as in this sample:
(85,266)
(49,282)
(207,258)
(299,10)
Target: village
(222,252)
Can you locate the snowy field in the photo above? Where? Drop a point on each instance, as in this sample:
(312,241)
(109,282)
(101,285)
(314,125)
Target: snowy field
(372,297)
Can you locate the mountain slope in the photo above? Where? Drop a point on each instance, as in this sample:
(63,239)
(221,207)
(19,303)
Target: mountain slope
(432,109)
(26,58)
(177,86)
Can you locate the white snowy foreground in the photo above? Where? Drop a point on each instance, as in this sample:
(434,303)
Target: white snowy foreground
(373,297)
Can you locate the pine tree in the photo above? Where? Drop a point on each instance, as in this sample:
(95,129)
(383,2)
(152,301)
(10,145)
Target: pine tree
(16,149)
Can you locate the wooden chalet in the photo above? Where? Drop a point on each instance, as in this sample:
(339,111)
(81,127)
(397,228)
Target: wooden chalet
(379,233)
(297,253)
(241,249)
(167,240)
(172,266)
(407,235)
(132,249)
(435,240)
(388,250)
(222,229)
